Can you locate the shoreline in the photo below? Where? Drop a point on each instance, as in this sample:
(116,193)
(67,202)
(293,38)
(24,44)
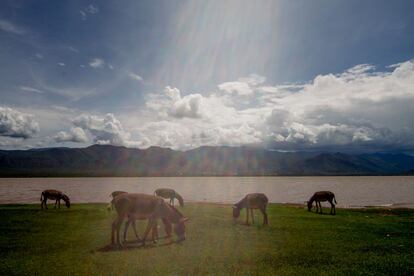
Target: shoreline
(226,205)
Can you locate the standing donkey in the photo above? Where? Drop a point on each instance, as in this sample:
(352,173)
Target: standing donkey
(250,202)
(54,195)
(169,194)
(322,196)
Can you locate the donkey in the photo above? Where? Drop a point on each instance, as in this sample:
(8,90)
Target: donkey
(142,206)
(131,221)
(250,202)
(54,195)
(322,196)
(169,194)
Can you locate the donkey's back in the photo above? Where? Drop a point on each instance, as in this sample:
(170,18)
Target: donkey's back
(165,192)
(323,196)
(256,200)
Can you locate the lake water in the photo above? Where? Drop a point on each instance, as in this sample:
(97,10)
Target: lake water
(393,191)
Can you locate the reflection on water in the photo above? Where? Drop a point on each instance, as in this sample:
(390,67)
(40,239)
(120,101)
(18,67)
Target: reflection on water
(350,191)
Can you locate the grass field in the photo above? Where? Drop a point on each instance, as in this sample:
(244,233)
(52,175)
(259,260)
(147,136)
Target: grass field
(74,241)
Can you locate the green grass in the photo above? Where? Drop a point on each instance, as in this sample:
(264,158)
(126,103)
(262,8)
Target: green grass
(70,241)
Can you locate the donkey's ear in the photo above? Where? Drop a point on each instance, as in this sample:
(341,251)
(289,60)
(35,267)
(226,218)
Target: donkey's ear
(184,219)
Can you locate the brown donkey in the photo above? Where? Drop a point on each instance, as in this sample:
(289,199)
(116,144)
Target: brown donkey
(322,196)
(53,195)
(142,206)
(169,194)
(250,202)
(131,221)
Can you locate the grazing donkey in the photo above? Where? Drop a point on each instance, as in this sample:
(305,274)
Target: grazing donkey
(250,202)
(322,196)
(54,195)
(169,194)
(142,206)
(167,224)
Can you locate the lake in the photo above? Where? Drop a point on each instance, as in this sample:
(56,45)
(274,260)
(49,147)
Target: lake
(354,191)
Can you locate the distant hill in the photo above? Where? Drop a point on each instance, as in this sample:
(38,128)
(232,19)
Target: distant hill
(105,160)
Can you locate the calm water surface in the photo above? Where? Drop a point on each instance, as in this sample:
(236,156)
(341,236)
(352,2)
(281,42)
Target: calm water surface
(395,191)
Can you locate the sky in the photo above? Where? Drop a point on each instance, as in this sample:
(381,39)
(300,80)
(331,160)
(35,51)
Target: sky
(284,75)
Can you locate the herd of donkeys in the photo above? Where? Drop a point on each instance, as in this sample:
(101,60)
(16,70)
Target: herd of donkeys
(136,206)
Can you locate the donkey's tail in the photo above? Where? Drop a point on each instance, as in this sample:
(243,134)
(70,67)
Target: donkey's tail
(41,197)
(335,200)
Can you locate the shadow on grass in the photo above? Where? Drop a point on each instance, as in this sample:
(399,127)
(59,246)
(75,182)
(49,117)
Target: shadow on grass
(133,245)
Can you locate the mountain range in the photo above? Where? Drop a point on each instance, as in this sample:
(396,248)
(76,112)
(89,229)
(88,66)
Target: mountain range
(106,160)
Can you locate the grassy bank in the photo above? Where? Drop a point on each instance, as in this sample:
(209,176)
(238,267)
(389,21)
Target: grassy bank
(73,241)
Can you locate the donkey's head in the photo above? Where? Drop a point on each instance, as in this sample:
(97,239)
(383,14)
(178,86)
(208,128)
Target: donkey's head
(236,212)
(179,229)
(309,203)
(67,200)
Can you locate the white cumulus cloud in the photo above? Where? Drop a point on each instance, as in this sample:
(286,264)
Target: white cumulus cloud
(16,124)
(105,129)
(361,108)
(75,134)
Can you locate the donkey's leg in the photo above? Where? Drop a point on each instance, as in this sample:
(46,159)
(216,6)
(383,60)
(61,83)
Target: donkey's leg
(56,203)
(134,226)
(118,227)
(59,204)
(167,227)
(116,224)
(149,227)
(247,216)
(127,223)
(155,232)
(320,207)
(332,207)
(265,221)
(46,203)
(252,214)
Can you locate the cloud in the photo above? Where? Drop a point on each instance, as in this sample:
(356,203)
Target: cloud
(31,89)
(359,109)
(9,27)
(105,129)
(39,56)
(172,104)
(97,63)
(75,134)
(132,76)
(243,86)
(61,64)
(240,88)
(73,49)
(17,124)
(89,10)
